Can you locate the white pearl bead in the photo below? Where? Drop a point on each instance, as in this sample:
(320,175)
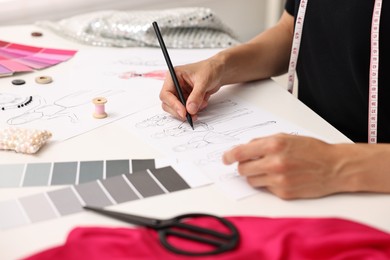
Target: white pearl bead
(23,140)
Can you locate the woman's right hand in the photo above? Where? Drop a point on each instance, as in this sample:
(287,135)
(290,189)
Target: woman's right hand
(198,82)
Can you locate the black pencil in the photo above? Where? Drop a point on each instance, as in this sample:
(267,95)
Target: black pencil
(172,71)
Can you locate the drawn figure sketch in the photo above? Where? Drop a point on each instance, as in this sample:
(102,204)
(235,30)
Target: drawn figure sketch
(205,131)
(223,124)
(12,101)
(158,75)
(201,125)
(204,124)
(60,107)
(212,137)
(156,120)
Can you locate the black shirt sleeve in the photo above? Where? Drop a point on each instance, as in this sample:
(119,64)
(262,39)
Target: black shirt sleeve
(290,7)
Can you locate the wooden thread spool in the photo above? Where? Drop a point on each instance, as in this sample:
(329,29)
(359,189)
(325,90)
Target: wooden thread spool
(99,107)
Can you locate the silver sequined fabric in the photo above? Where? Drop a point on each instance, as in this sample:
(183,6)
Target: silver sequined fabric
(193,27)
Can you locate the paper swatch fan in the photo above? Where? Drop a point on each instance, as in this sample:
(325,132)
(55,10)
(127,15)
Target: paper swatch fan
(24,58)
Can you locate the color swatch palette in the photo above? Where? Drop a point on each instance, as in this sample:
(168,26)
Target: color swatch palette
(68,173)
(116,189)
(24,58)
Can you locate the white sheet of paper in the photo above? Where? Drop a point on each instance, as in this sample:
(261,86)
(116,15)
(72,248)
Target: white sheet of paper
(128,67)
(66,112)
(186,169)
(224,124)
(130,78)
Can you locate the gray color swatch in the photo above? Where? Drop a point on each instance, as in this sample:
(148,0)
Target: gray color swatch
(170,179)
(119,190)
(90,171)
(37,207)
(65,201)
(37,174)
(92,194)
(116,167)
(11,175)
(141,165)
(64,173)
(11,215)
(144,183)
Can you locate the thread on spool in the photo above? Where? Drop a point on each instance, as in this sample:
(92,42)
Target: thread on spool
(99,103)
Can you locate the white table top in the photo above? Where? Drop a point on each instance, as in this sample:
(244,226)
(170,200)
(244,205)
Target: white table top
(370,209)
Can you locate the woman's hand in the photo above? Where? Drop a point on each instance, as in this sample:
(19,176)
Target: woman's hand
(198,82)
(302,167)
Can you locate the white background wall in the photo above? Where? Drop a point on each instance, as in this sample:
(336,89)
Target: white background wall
(246,17)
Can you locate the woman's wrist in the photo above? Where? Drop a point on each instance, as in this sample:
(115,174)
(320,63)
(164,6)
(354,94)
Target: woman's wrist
(362,167)
(220,63)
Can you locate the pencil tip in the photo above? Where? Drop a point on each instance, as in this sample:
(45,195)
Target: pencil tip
(189,120)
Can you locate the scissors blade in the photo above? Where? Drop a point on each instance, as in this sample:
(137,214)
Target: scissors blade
(129,218)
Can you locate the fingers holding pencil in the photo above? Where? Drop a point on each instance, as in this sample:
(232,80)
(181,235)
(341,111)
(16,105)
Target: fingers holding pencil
(197,96)
(196,82)
(172,71)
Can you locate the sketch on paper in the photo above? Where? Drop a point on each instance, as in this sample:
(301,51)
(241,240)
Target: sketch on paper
(65,112)
(156,74)
(143,61)
(128,68)
(212,137)
(59,107)
(225,123)
(205,124)
(221,124)
(139,62)
(212,157)
(13,101)
(156,120)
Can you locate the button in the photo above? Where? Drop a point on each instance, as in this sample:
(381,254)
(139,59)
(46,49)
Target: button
(43,80)
(36,34)
(18,82)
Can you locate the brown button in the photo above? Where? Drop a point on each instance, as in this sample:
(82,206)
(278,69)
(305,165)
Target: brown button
(36,34)
(43,80)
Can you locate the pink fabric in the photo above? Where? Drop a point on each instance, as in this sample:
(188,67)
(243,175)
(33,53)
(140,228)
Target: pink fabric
(261,238)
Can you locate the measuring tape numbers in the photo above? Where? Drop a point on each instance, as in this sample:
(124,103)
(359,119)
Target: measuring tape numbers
(374,63)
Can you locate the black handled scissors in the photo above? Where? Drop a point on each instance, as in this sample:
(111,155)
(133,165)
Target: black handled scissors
(216,242)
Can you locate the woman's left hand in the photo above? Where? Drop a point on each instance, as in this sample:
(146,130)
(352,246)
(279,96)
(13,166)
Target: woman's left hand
(290,166)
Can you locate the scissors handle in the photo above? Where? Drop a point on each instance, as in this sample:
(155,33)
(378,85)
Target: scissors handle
(217,242)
